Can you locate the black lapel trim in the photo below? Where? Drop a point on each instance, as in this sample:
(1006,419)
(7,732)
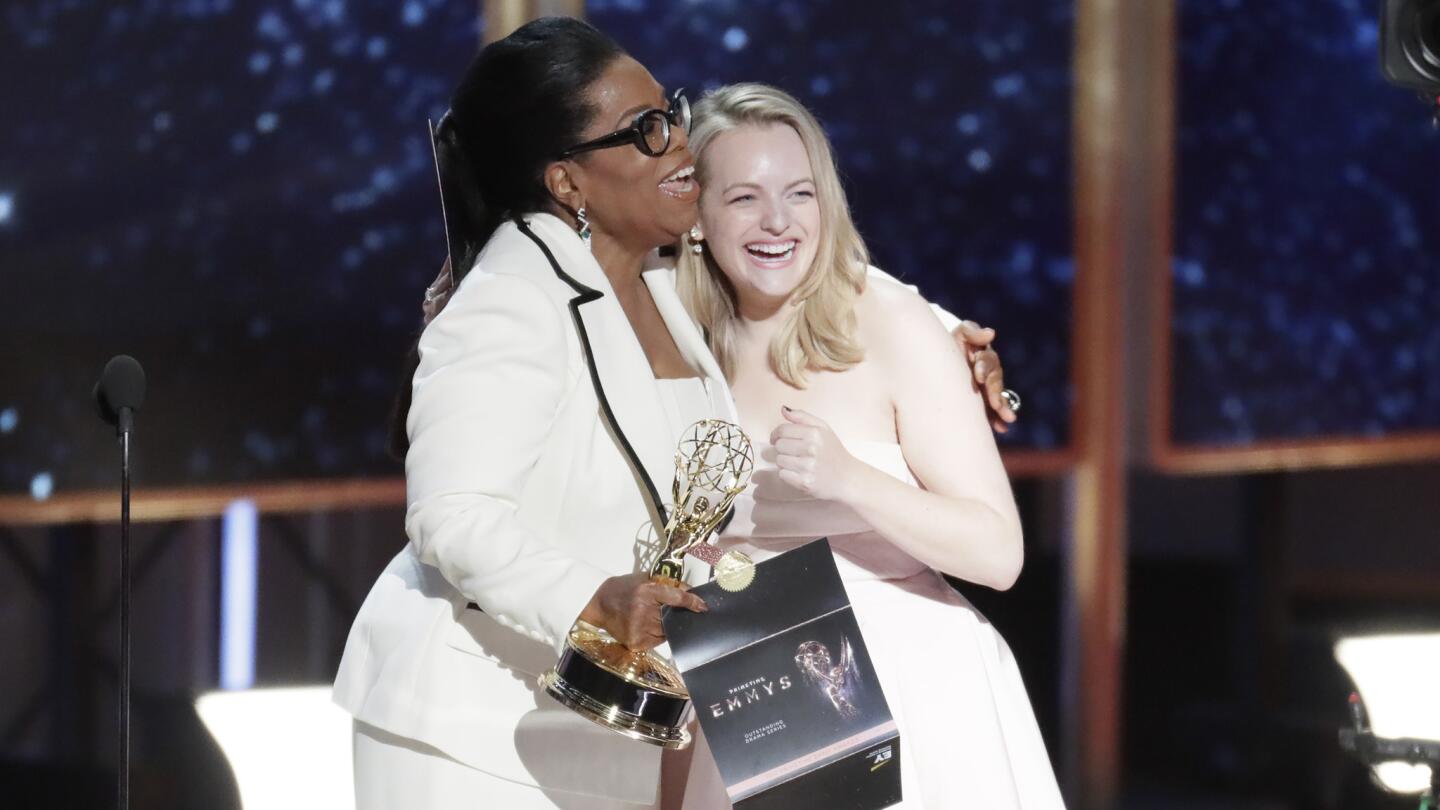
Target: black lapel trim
(585,295)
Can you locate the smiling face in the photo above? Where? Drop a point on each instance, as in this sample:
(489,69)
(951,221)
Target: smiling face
(759,212)
(637,199)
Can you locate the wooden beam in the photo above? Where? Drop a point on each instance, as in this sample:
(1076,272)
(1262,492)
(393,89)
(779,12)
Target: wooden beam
(1298,454)
(1388,586)
(1096,569)
(282,497)
(1122,155)
(185,503)
(1023,463)
(504,16)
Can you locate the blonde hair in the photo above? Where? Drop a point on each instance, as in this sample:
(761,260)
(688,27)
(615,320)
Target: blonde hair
(819,335)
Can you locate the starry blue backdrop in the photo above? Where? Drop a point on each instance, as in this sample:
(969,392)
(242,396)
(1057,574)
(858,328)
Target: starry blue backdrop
(241,195)
(1306,289)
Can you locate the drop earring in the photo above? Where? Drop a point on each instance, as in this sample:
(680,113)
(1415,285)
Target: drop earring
(696,241)
(582,226)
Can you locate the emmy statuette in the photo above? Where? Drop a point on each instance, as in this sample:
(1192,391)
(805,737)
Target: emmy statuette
(640,694)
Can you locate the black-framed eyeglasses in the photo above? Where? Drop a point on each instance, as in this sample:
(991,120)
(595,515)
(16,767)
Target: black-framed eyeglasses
(650,132)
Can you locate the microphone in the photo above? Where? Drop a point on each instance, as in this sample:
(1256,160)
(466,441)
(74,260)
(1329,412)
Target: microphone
(118,395)
(120,392)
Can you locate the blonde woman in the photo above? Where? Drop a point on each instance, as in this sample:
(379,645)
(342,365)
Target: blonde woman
(873,433)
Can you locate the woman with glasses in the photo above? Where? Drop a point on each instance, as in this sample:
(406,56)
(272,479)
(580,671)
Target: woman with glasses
(869,431)
(546,405)
(548,397)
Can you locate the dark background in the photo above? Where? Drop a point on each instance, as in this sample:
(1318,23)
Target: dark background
(1306,252)
(240,194)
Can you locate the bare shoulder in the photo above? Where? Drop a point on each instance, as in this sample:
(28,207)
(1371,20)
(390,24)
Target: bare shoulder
(896,324)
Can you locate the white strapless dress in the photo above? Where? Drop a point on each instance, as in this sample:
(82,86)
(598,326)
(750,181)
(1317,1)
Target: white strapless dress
(968,733)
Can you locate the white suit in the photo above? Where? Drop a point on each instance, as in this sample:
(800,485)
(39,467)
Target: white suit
(538,454)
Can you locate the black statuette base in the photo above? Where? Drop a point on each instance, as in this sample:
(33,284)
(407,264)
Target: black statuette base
(637,711)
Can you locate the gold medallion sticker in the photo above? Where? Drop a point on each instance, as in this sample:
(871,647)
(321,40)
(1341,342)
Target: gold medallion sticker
(734,571)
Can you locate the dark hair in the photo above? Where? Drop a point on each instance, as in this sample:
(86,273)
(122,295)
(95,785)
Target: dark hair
(521,103)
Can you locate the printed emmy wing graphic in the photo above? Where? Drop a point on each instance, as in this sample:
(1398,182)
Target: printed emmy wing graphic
(785,690)
(837,679)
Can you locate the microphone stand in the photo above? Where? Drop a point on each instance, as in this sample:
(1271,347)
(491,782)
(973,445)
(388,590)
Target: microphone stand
(118,395)
(126,421)
(1370,749)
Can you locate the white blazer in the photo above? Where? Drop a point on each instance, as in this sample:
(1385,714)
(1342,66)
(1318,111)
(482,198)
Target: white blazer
(539,453)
